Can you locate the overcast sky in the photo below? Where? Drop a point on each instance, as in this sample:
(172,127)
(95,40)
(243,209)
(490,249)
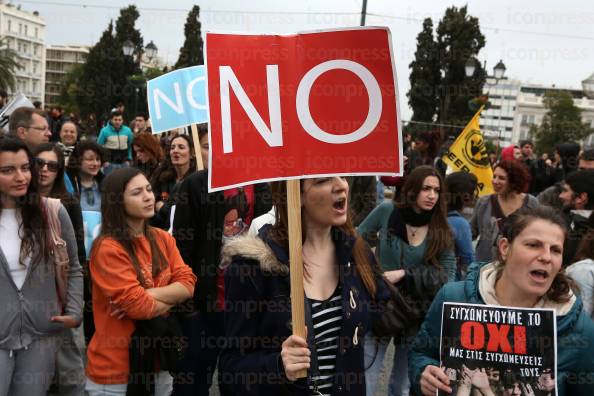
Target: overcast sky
(540,42)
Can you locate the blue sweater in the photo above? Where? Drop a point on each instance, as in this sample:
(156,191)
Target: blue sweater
(462,237)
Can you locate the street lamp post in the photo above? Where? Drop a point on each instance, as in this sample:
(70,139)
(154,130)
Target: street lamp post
(151,51)
(130,50)
(498,74)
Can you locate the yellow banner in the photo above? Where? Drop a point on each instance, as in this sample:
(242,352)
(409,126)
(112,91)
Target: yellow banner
(469,154)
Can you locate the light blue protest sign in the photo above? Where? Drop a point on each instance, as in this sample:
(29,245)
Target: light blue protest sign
(92,228)
(177,99)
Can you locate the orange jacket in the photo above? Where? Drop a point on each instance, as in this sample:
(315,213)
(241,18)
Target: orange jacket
(115,285)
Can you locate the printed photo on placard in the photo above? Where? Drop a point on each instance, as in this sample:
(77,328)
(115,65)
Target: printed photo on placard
(501,351)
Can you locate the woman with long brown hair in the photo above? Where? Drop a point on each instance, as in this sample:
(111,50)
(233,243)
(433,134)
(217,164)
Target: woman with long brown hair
(341,289)
(415,249)
(527,273)
(34,313)
(138,274)
(179,163)
(49,163)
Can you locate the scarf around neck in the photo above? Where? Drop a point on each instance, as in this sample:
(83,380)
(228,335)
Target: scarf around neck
(400,217)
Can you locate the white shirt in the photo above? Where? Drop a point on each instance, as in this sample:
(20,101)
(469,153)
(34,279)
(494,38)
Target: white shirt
(10,244)
(260,221)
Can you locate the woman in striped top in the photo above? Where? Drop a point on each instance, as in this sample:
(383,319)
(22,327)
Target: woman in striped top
(261,356)
(326,318)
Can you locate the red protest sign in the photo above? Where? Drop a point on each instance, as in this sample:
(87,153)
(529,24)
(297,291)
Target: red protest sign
(309,104)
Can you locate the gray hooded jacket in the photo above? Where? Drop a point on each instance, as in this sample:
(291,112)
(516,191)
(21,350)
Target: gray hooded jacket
(25,314)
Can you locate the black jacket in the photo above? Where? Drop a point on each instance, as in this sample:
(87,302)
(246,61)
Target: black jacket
(578,226)
(198,231)
(158,338)
(543,176)
(72,206)
(258,318)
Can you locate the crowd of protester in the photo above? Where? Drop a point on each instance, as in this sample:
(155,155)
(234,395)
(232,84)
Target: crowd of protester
(165,285)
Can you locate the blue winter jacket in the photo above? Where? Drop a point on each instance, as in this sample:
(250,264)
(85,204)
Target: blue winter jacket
(118,143)
(462,239)
(258,319)
(575,339)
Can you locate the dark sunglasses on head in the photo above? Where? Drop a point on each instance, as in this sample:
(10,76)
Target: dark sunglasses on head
(52,166)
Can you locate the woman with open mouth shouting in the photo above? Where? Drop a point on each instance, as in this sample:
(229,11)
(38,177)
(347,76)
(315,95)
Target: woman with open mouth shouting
(527,274)
(341,285)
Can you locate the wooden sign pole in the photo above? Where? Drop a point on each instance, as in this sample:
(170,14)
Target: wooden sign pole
(197,151)
(296,261)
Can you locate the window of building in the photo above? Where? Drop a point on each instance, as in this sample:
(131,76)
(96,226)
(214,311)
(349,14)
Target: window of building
(26,30)
(20,28)
(34,86)
(9,26)
(528,119)
(36,32)
(34,67)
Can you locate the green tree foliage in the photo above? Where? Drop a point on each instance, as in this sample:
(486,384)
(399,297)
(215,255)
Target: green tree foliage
(100,78)
(70,90)
(125,30)
(424,76)
(131,90)
(440,89)
(152,72)
(190,54)
(459,38)
(8,65)
(562,123)
(105,77)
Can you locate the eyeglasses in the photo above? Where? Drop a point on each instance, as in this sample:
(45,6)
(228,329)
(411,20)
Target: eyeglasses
(52,166)
(41,129)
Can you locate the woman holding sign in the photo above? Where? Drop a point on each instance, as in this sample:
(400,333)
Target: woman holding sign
(527,274)
(341,287)
(416,253)
(166,180)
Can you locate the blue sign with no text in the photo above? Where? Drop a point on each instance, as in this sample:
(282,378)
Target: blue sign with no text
(177,99)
